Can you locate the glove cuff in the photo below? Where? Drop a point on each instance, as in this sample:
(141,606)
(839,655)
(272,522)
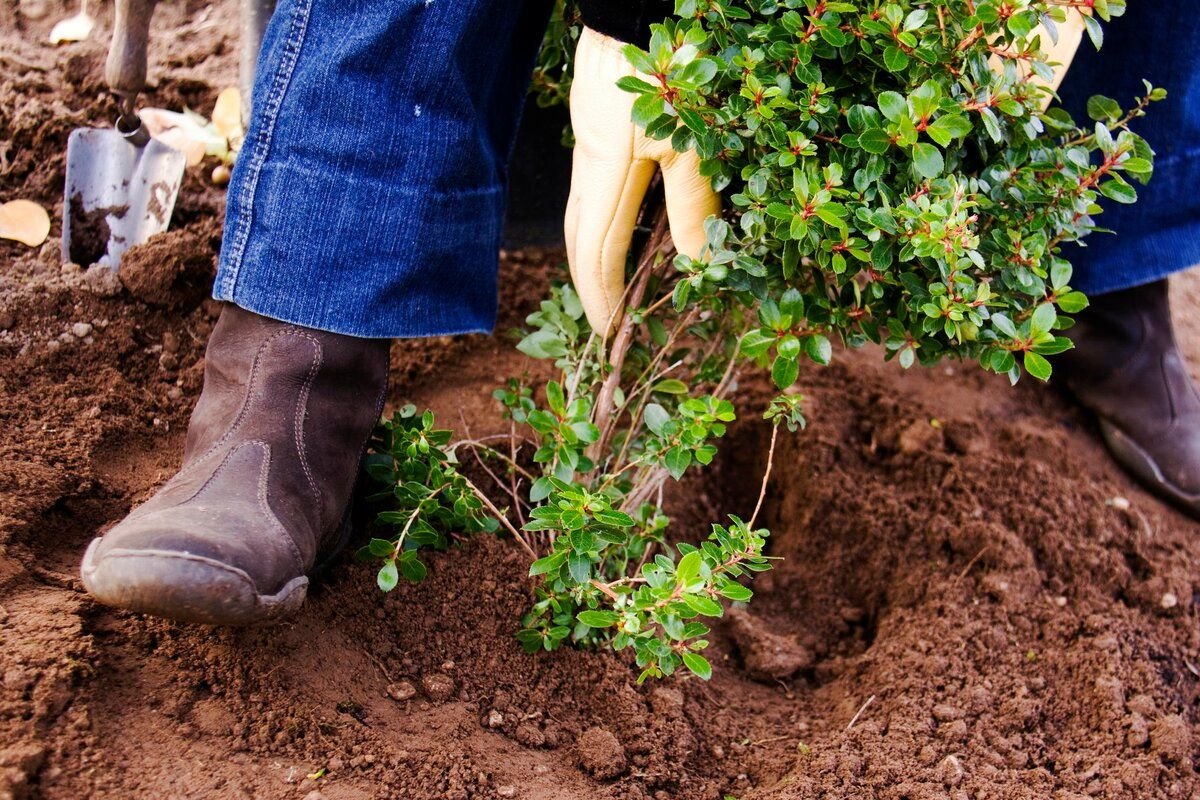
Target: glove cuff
(627,20)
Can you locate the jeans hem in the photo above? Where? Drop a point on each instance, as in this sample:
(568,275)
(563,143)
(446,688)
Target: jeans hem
(409,329)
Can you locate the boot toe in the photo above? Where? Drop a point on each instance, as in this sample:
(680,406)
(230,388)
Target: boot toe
(183,586)
(1170,467)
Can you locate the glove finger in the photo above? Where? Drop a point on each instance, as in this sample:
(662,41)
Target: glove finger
(608,180)
(690,200)
(601,214)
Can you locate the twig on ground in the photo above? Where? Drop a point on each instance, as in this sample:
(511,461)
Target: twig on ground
(865,705)
(970,564)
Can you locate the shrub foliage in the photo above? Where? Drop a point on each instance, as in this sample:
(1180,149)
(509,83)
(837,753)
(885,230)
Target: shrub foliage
(890,177)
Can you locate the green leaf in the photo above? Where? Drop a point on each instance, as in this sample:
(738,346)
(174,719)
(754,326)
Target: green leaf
(698,72)
(1037,366)
(1118,190)
(1043,318)
(671,386)
(1103,109)
(705,606)
(414,571)
(735,591)
(598,619)
(947,128)
(380,548)
(647,108)
(893,105)
(698,665)
(818,348)
(688,568)
(1073,302)
(895,59)
(632,83)
(677,461)
(580,566)
(547,564)
(784,371)
(656,418)
(875,140)
(388,576)
(928,160)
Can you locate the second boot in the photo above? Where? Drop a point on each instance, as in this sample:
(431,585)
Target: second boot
(1127,369)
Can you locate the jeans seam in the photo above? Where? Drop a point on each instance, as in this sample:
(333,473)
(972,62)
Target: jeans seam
(262,144)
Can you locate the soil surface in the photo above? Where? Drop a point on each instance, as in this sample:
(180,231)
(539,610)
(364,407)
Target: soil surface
(973,601)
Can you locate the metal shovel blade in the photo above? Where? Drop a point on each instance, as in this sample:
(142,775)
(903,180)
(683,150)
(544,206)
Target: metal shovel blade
(118,194)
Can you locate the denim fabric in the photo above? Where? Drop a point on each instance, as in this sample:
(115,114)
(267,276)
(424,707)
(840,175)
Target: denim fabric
(368,198)
(1160,234)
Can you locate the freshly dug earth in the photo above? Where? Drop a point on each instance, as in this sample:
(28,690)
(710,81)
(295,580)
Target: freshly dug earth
(972,601)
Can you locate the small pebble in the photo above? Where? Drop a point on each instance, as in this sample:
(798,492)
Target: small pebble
(401,690)
(6,320)
(439,686)
(81,329)
(495,719)
(1169,600)
(506,791)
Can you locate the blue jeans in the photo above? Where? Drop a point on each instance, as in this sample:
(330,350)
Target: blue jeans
(1159,234)
(368,198)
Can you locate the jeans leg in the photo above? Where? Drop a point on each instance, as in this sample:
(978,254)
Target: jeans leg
(1160,234)
(368,198)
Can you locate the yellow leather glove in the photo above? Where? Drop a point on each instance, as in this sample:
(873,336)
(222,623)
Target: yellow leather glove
(611,169)
(614,162)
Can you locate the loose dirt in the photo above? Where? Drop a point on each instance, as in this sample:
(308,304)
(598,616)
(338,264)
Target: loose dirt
(972,601)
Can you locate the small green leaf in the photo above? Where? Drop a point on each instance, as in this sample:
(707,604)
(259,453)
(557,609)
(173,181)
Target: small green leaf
(414,571)
(735,591)
(928,160)
(580,566)
(895,59)
(388,576)
(703,605)
(875,140)
(1037,366)
(698,665)
(598,619)
(656,418)
(893,105)
(784,371)
(688,568)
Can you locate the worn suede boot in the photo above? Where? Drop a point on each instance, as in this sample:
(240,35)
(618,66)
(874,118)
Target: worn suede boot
(1127,369)
(272,453)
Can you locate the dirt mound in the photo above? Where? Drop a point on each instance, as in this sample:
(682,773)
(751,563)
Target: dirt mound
(972,601)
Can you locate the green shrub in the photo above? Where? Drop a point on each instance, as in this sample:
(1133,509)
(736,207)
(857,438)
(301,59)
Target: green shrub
(883,185)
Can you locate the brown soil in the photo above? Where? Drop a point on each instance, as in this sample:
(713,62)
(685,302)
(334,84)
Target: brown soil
(973,601)
(90,231)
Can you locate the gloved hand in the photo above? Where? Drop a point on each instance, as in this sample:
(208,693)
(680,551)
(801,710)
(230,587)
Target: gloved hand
(614,162)
(612,166)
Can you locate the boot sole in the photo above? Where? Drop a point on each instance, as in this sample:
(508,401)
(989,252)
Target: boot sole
(185,587)
(1142,465)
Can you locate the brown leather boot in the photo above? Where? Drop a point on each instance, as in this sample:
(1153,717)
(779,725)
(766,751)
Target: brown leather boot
(272,453)
(1127,369)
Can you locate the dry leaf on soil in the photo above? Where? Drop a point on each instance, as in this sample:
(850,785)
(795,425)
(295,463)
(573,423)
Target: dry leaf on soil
(24,221)
(227,114)
(72,29)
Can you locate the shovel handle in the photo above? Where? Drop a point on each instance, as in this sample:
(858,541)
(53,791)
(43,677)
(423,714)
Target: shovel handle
(125,69)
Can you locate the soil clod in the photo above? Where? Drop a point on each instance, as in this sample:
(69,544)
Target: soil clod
(601,754)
